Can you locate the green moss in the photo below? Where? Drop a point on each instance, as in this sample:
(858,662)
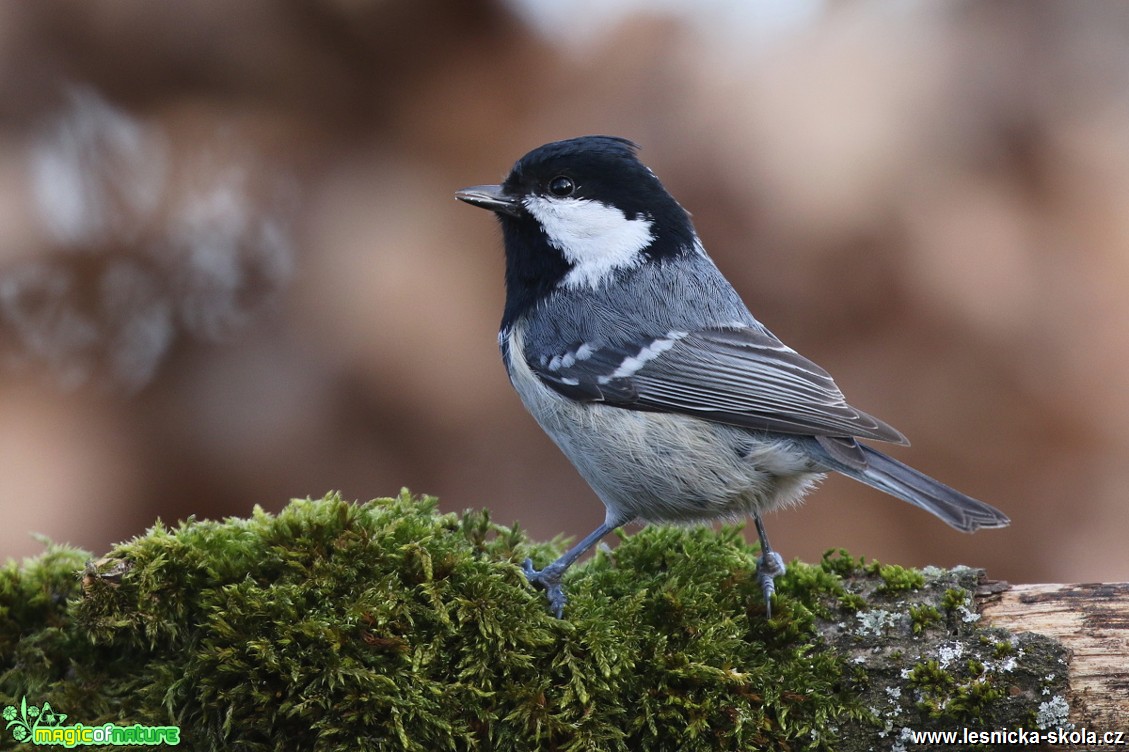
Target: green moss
(897,579)
(953,599)
(930,678)
(1002,649)
(838,561)
(924,616)
(959,692)
(334,625)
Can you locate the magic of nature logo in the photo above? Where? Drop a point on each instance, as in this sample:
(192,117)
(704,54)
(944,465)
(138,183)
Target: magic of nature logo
(44,725)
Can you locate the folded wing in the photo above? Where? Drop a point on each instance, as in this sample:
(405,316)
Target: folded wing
(739,376)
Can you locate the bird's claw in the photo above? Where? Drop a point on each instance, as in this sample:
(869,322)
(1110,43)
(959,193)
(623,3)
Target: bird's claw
(548,578)
(769,566)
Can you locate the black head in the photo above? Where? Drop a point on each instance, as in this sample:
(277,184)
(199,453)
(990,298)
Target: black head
(579,212)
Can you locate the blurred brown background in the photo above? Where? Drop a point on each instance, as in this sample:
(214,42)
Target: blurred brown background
(232,270)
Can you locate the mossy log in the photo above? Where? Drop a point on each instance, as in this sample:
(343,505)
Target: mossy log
(388,625)
(1092,622)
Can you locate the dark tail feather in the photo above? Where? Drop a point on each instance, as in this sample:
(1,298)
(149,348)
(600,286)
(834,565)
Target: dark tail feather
(900,480)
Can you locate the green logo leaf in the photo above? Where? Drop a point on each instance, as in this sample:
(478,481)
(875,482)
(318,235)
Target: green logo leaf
(24,720)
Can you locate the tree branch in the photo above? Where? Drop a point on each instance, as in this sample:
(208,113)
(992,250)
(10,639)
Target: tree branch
(1092,621)
(334,625)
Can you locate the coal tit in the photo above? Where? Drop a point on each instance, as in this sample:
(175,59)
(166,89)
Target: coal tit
(639,360)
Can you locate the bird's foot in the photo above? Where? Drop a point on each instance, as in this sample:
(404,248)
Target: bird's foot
(548,578)
(769,566)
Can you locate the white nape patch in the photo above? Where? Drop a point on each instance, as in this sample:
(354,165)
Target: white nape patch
(595,238)
(631,364)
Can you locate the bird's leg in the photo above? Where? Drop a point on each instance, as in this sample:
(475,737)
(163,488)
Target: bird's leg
(550,577)
(769,566)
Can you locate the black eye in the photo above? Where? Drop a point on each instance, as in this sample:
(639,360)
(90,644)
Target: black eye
(561,186)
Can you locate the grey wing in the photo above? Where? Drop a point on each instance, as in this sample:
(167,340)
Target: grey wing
(739,376)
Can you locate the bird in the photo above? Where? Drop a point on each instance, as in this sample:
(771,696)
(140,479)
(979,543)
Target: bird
(641,362)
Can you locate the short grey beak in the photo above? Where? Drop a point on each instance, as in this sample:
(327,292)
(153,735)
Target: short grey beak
(492,197)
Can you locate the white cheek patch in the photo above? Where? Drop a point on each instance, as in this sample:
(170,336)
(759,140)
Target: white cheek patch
(595,238)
